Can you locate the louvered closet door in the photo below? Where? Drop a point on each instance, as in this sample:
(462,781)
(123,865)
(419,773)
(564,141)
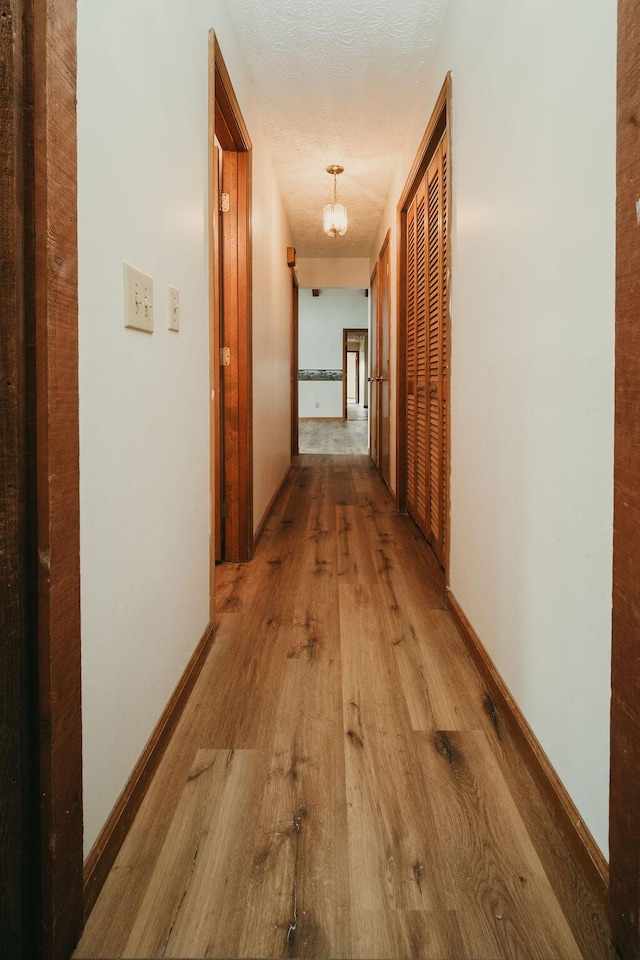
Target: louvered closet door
(426,352)
(416,354)
(437,268)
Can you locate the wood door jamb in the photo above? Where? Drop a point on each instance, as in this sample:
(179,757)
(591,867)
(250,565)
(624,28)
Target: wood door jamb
(226,121)
(439,121)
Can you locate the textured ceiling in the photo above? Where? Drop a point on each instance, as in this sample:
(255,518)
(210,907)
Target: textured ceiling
(333,82)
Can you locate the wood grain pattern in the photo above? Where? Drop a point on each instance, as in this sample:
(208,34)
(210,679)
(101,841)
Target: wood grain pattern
(57,439)
(574,830)
(207,858)
(383,355)
(215,396)
(624,824)
(332,436)
(407,386)
(295,297)
(19,907)
(234,273)
(107,846)
(340,784)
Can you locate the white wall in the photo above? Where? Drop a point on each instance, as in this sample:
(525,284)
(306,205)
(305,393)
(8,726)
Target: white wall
(333,272)
(144,450)
(272,306)
(321,322)
(533,150)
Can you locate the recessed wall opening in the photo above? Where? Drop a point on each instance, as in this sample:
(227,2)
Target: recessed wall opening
(333,340)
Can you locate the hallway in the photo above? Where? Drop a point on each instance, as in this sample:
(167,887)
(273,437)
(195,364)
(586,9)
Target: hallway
(350,436)
(340,784)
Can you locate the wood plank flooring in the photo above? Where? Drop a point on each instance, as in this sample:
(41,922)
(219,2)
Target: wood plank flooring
(350,436)
(340,785)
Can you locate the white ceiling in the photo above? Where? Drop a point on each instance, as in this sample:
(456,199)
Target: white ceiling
(333,82)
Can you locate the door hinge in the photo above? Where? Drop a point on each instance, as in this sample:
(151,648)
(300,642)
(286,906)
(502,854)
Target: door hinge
(225,356)
(225,510)
(223,202)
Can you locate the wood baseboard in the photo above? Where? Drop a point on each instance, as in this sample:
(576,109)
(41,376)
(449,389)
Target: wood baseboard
(265,517)
(107,846)
(567,818)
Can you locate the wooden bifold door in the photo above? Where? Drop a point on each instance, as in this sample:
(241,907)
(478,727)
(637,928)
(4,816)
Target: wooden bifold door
(426,351)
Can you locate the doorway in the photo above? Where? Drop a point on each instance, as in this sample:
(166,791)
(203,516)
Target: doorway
(355,386)
(295,447)
(380,363)
(231,434)
(353,373)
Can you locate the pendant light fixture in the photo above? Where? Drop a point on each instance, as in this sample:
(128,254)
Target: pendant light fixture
(334,215)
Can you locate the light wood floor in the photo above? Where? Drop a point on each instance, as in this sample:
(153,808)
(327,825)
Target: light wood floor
(340,784)
(350,436)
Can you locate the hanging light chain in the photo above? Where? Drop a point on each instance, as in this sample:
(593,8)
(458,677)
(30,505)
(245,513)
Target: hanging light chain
(335,214)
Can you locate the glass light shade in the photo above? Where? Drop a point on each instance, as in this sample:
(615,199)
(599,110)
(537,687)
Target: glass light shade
(334,219)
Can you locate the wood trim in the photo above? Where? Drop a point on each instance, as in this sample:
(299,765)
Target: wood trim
(345,336)
(295,445)
(448,358)
(228,102)
(265,517)
(236,252)
(107,846)
(439,122)
(374,453)
(429,141)
(567,818)
(624,823)
(19,814)
(230,384)
(215,483)
(384,289)
(57,471)
(401,361)
(245,359)
(344,374)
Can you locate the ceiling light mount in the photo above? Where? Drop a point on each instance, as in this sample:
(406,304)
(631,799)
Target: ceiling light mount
(334,215)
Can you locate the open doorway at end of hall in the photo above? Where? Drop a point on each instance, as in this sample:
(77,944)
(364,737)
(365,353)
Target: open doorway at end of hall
(333,361)
(355,374)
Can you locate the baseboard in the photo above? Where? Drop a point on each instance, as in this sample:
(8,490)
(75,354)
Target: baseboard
(265,517)
(567,818)
(107,846)
(322,419)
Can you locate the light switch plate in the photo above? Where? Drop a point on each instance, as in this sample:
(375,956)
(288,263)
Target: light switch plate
(174,309)
(138,300)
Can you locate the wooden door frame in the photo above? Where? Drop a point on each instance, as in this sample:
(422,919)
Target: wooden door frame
(227,124)
(40,650)
(439,122)
(215,438)
(624,824)
(356,354)
(295,445)
(19,819)
(373,367)
(345,336)
(380,373)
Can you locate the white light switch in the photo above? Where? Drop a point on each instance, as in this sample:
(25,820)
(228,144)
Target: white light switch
(174,309)
(138,300)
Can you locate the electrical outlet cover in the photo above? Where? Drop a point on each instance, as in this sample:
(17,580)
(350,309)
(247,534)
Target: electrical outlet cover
(174,309)
(138,299)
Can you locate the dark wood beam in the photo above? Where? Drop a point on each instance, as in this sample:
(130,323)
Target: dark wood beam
(624,822)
